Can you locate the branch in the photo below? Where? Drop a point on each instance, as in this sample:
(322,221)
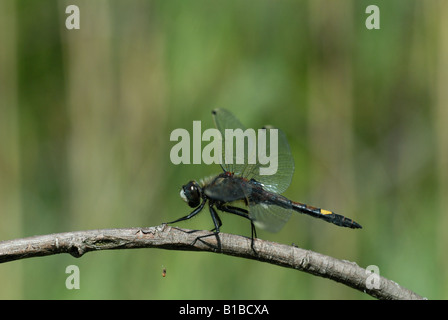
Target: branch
(165,237)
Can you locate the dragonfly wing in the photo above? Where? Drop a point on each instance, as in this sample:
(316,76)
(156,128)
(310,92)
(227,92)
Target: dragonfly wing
(281,180)
(233,161)
(277,182)
(269,217)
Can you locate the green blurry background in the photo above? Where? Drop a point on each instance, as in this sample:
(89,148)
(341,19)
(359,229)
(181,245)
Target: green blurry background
(86,117)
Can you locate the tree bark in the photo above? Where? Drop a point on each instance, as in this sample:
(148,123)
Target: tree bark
(165,237)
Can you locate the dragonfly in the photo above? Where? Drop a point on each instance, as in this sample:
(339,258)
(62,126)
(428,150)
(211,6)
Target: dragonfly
(241,190)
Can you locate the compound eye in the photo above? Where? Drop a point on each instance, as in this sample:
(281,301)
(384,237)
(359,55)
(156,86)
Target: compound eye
(191,194)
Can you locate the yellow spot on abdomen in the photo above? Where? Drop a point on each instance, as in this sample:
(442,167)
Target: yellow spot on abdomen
(325,211)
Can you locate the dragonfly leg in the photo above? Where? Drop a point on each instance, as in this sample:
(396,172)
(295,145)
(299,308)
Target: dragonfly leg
(217,222)
(192,214)
(217,219)
(245,214)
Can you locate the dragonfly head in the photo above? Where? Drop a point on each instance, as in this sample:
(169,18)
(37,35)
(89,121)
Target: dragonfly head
(191,193)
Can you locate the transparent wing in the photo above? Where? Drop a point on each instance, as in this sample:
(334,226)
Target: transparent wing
(269,217)
(233,161)
(281,180)
(247,164)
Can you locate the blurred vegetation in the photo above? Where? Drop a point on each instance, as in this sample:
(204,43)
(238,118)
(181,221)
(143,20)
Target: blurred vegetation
(86,115)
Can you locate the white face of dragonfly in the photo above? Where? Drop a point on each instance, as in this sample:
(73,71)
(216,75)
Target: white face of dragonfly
(182,195)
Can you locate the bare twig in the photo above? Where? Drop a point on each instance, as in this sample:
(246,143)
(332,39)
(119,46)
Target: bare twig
(165,237)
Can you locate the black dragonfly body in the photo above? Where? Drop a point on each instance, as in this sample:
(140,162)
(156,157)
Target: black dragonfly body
(260,195)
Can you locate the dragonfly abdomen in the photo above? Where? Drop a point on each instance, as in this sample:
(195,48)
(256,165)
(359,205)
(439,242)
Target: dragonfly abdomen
(326,215)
